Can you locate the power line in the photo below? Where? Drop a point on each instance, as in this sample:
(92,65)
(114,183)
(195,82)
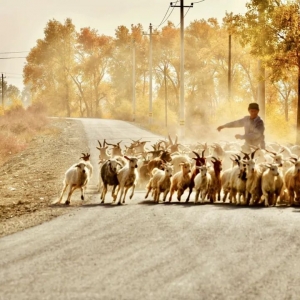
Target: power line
(14,52)
(184,15)
(11,73)
(190,8)
(164,20)
(197,2)
(11,57)
(164,17)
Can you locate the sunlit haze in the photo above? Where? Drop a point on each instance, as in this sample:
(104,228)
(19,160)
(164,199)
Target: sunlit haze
(23,21)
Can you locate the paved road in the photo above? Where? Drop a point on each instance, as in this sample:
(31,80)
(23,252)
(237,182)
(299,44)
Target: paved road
(146,251)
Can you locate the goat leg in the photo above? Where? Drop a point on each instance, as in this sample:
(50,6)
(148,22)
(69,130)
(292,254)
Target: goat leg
(132,191)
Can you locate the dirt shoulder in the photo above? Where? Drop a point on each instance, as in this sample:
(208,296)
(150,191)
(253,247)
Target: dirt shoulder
(31,180)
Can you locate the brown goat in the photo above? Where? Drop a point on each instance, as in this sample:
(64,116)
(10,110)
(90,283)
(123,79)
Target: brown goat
(158,162)
(200,161)
(181,181)
(215,188)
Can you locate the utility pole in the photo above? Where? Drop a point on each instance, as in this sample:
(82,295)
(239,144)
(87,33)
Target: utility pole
(166,96)
(298,102)
(133,80)
(150,78)
(150,75)
(229,68)
(261,69)
(2,85)
(181,112)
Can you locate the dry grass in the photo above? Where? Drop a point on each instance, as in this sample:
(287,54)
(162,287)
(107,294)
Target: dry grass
(17,128)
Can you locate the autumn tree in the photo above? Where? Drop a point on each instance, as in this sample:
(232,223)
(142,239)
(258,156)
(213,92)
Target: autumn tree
(93,53)
(48,67)
(271,28)
(121,68)
(166,62)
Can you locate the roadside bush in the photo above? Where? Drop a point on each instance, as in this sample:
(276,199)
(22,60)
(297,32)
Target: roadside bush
(18,126)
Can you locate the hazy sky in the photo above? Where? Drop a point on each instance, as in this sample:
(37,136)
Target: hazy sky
(23,21)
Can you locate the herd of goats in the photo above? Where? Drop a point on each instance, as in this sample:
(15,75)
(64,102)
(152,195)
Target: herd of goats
(216,172)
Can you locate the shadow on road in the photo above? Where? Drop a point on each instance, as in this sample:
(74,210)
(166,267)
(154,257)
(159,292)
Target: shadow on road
(147,202)
(252,207)
(105,205)
(63,205)
(151,202)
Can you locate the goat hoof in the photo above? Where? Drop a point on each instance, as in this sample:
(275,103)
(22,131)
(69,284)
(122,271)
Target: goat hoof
(67,202)
(82,198)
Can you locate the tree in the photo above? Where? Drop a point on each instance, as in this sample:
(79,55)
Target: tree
(93,57)
(166,64)
(48,66)
(271,28)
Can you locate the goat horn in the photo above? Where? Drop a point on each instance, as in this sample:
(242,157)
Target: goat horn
(293,158)
(100,143)
(274,153)
(246,155)
(253,153)
(198,156)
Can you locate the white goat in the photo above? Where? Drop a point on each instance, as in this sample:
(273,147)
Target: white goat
(86,158)
(181,180)
(160,182)
(225,179)
(292,182)
(202,184)
(238,182)
(225,183)
(253,184)
(268,184)
(76,177)
(127,178)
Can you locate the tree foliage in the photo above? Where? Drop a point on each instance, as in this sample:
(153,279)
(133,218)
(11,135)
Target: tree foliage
(84,73)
